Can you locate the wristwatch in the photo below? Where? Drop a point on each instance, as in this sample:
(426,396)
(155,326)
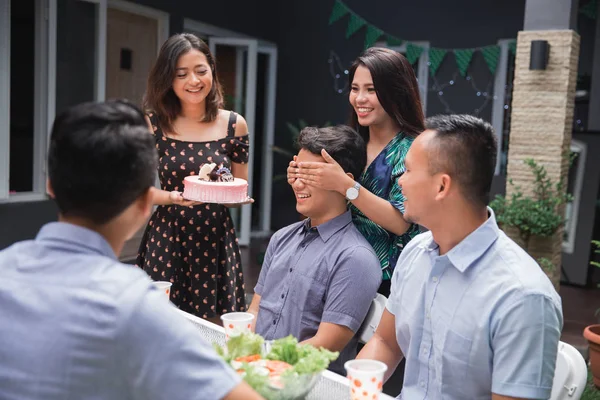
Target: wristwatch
(352,193)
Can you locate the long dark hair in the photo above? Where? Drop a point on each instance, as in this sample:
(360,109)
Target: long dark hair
(396,88)
(160,97)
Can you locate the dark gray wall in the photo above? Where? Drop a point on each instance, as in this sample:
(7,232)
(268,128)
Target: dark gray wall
(576,265)
(305,40)
(305,88)
(594,118)
(252,17)
(548,15)
(75,72)
(21,221)
(75,53)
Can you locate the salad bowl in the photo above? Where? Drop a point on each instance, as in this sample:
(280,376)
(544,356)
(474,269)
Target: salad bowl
(279,369)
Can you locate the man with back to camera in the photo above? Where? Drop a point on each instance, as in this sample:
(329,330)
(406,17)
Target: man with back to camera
(76,323)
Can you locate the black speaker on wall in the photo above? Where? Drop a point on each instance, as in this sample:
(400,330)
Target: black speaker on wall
(540,50)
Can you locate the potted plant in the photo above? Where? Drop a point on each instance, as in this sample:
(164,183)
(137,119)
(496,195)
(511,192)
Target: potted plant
(592,334)
(535,216)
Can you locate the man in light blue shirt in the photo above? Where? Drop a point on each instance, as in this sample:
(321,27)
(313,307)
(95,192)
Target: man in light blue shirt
(75,323)
(474,315)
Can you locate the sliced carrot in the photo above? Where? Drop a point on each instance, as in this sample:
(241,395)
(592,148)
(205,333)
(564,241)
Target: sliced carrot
(248,359)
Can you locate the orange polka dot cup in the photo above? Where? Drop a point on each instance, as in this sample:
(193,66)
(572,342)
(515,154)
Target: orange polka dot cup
(165,287)
(236,323)
(366,378)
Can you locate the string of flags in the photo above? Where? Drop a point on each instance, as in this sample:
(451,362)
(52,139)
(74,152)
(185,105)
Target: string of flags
(463,56)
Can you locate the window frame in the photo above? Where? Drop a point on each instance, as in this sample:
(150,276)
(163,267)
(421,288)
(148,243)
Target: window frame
(44,94)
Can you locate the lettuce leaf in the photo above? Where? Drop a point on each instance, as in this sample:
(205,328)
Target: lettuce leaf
(243,345)
(305,358)
(284,349)
(312,360)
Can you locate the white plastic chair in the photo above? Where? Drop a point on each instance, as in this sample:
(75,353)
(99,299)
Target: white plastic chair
(570,375)
(369,325)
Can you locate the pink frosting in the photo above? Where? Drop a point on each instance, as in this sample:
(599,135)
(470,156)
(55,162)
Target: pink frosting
(215,192)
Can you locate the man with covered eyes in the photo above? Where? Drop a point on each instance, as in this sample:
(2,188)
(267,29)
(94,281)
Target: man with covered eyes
(319,275)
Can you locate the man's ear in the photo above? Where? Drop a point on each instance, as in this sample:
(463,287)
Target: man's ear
(350,175)
(444,186)
(49,190)
(146,201)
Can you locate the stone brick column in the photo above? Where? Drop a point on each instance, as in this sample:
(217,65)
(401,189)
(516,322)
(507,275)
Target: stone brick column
(541,123)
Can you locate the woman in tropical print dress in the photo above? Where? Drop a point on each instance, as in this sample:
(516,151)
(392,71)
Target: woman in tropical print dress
(190,244)
(387,112)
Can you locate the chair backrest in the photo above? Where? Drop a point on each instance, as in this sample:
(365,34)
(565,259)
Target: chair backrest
(570,375)
(372,319)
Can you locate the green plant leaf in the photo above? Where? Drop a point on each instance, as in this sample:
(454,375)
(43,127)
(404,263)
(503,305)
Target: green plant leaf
(537,215)
(283,151)
(293,129)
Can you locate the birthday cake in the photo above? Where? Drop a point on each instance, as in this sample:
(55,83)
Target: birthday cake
(215,184)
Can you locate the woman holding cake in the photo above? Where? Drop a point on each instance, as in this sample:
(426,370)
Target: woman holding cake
(386,111)
(193,244)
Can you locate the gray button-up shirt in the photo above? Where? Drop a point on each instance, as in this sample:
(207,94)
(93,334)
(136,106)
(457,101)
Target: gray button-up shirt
(327,273)
(75,323)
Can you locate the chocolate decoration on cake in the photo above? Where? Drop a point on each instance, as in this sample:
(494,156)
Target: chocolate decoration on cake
(214,173)
(225,175)
(221,175)
(205,171)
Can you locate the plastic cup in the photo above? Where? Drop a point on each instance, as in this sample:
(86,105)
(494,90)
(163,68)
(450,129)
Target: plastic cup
(366,378)
(236,323)
(165,287)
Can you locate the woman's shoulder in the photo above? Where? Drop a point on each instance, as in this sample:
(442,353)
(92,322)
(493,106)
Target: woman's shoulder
(403,139)
(239,122)
(152,120)
(226,114)
(400,145)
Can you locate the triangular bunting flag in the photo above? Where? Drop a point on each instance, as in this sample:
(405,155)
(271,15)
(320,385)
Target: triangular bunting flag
(373,33)
(393,41)
(512,46)
(463,59)
(491,54)
(338,11)
(413,52)
(436,56)
(354,24)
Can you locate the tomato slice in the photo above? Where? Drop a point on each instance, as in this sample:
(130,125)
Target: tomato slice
(276,367)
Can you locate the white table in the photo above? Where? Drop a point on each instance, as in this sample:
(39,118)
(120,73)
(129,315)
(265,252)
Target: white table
(330,386)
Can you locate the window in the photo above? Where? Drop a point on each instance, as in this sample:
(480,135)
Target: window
(36,37)
(24,32)
(502,108)
(574,188)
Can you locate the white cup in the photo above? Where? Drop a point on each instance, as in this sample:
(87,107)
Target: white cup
(366,378)
(165,287)
(236,323)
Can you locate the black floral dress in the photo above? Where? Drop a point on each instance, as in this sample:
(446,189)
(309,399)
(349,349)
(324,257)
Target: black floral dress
(195,247)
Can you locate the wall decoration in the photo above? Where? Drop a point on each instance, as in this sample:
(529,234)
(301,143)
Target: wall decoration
(413,51)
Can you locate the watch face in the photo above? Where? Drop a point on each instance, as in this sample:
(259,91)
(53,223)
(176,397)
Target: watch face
(351,193)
